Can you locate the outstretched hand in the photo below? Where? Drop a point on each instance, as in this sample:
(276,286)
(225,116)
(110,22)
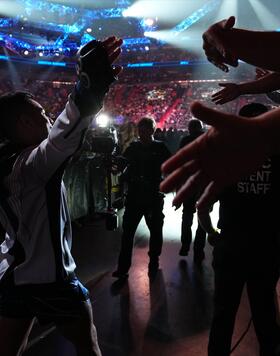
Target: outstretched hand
(231,149)
(229,93)
(215,46)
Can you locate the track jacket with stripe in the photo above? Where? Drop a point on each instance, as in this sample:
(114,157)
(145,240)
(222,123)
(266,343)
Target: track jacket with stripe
(34,213)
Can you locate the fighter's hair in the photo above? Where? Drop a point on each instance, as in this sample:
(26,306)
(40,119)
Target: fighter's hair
(12,104)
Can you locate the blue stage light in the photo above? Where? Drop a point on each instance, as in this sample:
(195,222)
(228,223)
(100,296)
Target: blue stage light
(15,42)
(86,38)
(48,63)
(6,23)
(145,64)
(136,41)
(31,5)
(48,7)
(128,65)
(81,19)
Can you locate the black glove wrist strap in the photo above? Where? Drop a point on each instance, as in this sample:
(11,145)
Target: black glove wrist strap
(94,69)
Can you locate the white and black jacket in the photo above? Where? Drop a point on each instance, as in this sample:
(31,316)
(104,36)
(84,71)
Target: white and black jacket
(38,238)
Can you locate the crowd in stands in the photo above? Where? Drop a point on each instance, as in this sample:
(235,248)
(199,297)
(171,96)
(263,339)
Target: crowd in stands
(167,101)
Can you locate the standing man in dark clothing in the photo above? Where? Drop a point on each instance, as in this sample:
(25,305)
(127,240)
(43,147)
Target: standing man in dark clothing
(195,130)
(247,252)
(143,176)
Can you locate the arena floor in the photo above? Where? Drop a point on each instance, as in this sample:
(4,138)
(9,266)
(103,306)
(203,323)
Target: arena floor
(166,316)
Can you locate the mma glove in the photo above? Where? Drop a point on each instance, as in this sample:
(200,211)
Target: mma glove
(95,74)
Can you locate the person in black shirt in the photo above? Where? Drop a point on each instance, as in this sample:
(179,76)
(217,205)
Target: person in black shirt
(247,252)
(195,130)
(143,176)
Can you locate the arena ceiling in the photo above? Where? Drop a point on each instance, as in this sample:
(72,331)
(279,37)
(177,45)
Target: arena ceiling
(59,27)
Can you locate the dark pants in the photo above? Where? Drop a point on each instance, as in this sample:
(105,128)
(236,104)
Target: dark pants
(235,265)
(186,229)
(134,211)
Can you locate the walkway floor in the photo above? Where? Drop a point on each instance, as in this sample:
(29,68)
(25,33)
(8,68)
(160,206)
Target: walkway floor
(168,315)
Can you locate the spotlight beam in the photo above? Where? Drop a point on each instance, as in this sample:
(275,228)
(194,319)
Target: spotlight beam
(196,16)
(266,17)
(10,8)
(227,8)
(174,36)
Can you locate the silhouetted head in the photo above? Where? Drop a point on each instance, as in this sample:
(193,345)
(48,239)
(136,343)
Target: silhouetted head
(146,128)
(195,126)
(253,109)
(22,119)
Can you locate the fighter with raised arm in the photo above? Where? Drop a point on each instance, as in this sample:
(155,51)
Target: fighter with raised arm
(37,270)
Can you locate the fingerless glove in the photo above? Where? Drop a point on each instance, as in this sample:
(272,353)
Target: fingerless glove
(95,74)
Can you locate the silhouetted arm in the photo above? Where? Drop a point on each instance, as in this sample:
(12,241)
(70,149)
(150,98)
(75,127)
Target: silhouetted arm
(224,45)
(232,148)
(231,91)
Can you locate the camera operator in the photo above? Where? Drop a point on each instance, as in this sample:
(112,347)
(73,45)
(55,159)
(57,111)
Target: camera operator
(143,176)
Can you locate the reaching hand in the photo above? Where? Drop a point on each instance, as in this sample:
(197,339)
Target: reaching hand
(230,92)
(215,46)
(231,149)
